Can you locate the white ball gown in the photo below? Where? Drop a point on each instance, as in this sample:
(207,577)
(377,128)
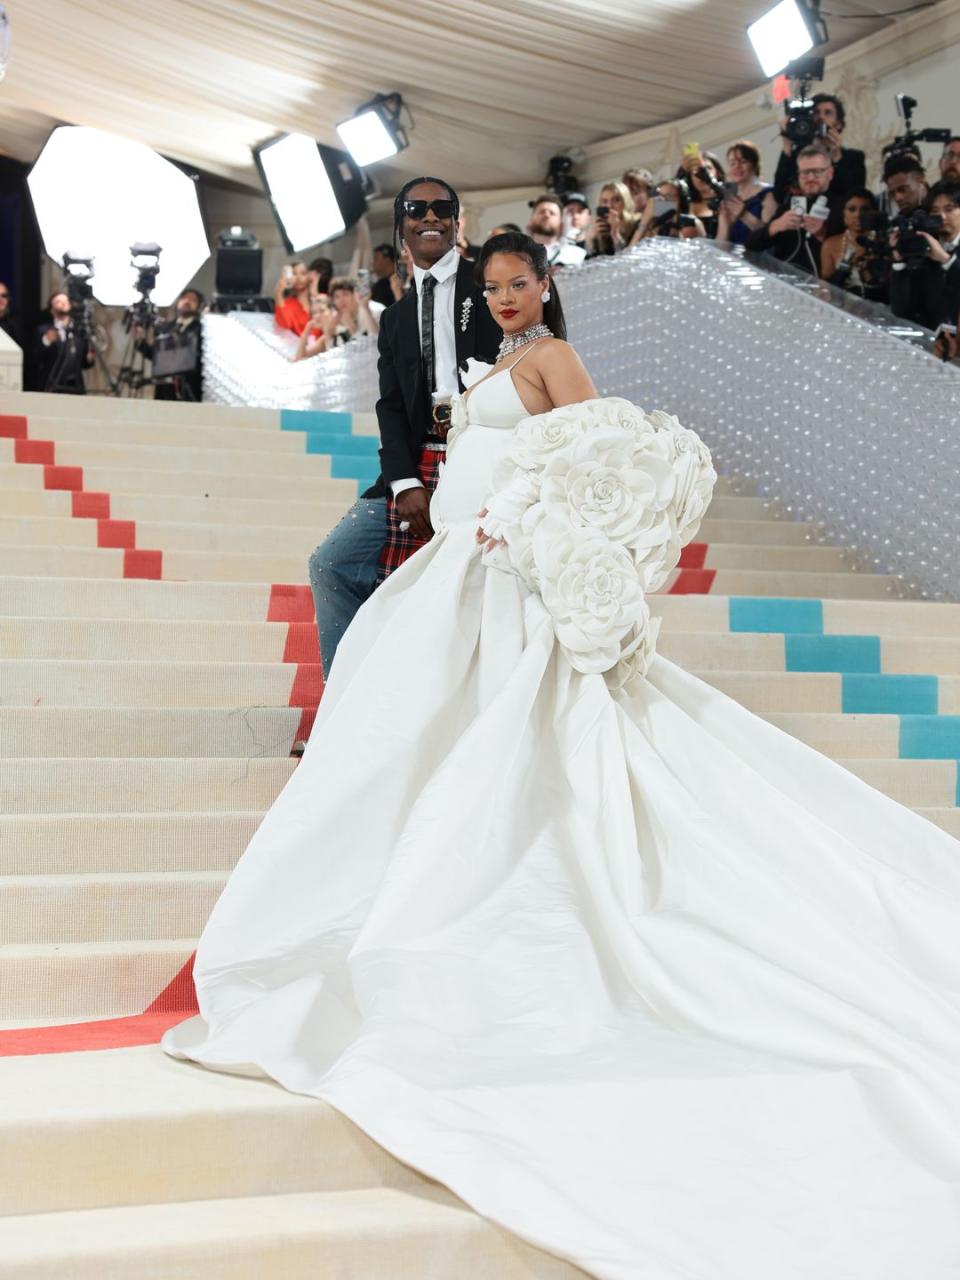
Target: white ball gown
(637,975)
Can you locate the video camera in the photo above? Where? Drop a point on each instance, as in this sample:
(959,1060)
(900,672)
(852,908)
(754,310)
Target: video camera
(912,247)
(145,258)
(77,274)
(909,139)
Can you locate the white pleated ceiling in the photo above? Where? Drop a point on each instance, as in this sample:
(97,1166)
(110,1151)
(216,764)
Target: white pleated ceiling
(495,86)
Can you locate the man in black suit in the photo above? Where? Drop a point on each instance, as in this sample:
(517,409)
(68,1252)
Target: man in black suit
(425,341)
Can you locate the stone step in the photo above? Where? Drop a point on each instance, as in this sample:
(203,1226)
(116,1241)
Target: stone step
(70,786)
(82,981)
(419,1235)
(71,683)
(139,732)
(38,844)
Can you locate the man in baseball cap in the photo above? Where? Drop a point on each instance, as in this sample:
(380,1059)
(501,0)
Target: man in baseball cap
(576,217)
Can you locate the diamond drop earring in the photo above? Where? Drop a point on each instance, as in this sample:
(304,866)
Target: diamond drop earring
(545,296)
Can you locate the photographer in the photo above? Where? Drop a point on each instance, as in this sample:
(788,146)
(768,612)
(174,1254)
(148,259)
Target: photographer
(577,218)
(640,184)
(615,221)
(742,211)
(849,169)
(950,161)
(291,297)
(184,332)
(925,280)
(668,214)
(905,181)
(797,230)
(857,259)
(704,176)
(59,364)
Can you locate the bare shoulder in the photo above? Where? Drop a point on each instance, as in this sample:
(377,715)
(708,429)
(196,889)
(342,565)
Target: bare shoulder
(555,353)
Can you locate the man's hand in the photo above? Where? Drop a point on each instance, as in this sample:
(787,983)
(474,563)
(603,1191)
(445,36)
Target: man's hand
(813,226)
(414,505)
(788,221)
(834,145)
(50,337)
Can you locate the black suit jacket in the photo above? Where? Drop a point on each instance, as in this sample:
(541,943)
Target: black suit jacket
(849,174)
(928,295)
(403,410)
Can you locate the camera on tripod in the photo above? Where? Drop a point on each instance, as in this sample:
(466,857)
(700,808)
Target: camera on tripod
(145,259)
(77,274)
(908,140)
(801,127)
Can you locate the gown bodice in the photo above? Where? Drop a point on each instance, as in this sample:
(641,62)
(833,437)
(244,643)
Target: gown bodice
(484,420)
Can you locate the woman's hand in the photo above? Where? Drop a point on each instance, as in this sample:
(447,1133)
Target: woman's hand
(935,251)
(483,540)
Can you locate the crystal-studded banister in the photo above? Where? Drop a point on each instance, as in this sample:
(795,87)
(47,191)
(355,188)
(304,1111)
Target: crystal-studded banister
(845,425)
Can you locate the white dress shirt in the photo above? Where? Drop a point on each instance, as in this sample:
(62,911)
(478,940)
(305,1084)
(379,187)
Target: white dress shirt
(444,334)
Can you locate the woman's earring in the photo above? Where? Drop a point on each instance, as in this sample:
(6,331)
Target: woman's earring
(545,296)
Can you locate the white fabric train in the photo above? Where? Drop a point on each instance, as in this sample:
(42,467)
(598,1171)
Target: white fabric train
(638,976)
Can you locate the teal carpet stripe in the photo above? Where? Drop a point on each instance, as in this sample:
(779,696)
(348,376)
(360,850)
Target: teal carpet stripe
(891,695)
(362,469)
(316,420)
(833,653)
(336,445)
(930,737)
(797,617)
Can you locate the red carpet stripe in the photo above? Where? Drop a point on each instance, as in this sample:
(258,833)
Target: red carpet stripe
(693,582)
(113,534)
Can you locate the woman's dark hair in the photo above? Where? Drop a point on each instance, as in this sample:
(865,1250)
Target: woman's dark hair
(860,193)
(746,151)
(522,246)
(714,160)
(402,195)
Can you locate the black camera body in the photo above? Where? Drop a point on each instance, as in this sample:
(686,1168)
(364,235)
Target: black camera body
(911,246)
(909,140)
(715,185)
(801,128)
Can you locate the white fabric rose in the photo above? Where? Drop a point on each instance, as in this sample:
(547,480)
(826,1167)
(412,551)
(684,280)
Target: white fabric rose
(537,438)
(590,587)
(604,482)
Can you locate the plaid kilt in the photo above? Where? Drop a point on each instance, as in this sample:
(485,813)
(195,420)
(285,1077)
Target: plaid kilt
(401,545)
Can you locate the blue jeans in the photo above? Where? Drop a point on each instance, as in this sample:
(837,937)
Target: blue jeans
(343,571)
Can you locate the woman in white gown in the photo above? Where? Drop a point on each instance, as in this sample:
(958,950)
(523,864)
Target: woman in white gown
(638,976)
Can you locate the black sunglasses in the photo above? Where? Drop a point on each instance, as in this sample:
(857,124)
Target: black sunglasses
(417,209)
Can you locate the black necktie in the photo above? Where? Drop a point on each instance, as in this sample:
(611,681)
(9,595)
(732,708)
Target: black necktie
(426,331)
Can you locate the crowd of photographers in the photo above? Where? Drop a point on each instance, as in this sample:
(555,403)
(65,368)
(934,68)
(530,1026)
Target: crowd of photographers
(899,245)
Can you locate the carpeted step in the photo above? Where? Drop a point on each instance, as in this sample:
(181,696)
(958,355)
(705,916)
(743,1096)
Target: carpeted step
(172,509)
(772,651)
(66,683)
(764,691)
(37,406)
(782,533)
(842,736)
(57,785)
(156,640)
(201,1128)
(948,819)
(138,732)
(86,980)
(918,784)
(166,435)
(64,597)
(420,1235)
(786,582)
(33,844)
(712,613)
(274,465)
(107,907)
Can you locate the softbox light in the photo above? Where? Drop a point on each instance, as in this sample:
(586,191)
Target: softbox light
(316,191)
(96,194)
(373,132)
(784,33)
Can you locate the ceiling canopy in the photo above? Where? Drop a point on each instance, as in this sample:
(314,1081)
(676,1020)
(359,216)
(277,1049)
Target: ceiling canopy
(495,87)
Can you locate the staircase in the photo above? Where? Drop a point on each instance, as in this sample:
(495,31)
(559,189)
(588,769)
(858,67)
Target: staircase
(158,659)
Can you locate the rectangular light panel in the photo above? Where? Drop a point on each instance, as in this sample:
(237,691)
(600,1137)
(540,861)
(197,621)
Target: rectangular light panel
(300,189)
(367,138)
(780,36)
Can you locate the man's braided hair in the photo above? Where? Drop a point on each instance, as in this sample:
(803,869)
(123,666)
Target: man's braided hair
(402,195)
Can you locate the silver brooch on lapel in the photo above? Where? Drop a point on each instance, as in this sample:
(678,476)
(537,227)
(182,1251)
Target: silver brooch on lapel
(465,314)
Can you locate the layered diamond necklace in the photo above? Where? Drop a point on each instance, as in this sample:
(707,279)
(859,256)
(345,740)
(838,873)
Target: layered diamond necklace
(514,341)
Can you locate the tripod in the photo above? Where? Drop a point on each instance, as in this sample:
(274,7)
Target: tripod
(132,376)
(66,376)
